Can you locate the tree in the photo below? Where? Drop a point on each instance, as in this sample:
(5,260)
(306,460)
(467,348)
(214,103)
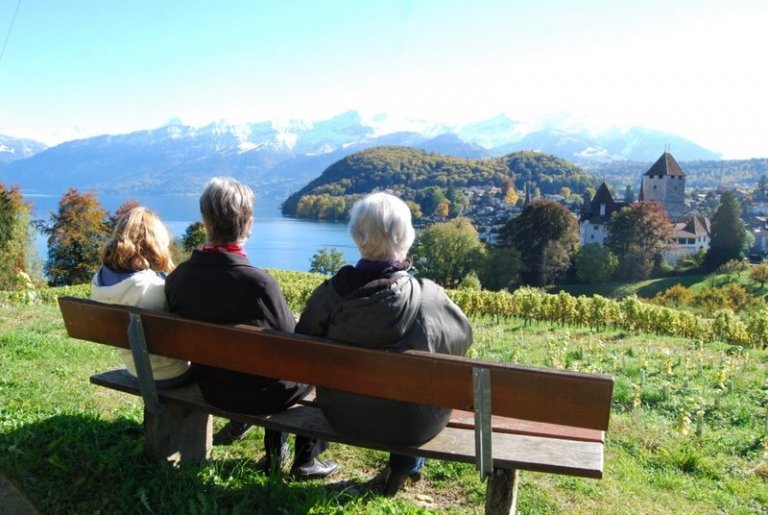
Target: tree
(595,263)
(15,236)
(194,236)
(547,236)
(759,274)
(459,202)
(124,208)
(429,199)
(629,195)
(326,261)
(638,234)
(730,238)
(502,268)
(447,251)
(511,196)
(415,208)
(75,236)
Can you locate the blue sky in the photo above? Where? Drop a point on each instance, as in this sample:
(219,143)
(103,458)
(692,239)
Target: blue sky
(78,68)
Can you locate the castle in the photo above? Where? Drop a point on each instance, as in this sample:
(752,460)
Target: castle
(664,183)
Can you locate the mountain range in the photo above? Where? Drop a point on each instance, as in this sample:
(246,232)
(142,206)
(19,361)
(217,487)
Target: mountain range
(279,158)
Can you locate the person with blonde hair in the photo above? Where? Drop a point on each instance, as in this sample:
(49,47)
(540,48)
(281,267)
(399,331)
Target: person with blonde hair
(377,304)
(135,261)
(219,284)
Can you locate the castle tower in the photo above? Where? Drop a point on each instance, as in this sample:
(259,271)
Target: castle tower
(664,183)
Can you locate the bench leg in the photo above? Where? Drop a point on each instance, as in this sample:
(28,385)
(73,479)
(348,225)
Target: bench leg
(178,435)
(501,492)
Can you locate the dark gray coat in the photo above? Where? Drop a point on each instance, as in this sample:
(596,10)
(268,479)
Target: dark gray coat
(394,311)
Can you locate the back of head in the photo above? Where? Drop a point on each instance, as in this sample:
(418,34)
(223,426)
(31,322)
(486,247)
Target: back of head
(140,241)
(380,225)
(227,208)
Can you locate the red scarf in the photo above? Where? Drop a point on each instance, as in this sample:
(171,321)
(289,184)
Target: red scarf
(234,248)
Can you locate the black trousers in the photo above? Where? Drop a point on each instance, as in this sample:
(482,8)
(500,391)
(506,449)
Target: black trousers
(283,395)
(273,397)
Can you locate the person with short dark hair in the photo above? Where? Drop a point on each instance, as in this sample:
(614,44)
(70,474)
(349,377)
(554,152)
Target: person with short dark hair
(218,284)
(377,304)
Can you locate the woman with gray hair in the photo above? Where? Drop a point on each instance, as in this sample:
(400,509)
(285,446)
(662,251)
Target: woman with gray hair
(378,304)
(218,284)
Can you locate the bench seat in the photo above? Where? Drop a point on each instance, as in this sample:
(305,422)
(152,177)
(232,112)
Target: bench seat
(512,449)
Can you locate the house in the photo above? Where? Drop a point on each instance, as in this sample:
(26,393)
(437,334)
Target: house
(688,238)
(664,183)
(595,215)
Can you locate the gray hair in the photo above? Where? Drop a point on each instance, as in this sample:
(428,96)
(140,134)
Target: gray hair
(227,209)
(381,226)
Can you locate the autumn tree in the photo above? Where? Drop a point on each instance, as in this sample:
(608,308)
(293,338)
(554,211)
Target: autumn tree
(511,196)
(638,234)
(430,198)
(121,210)
(730,238)
(547,236)
(326,261)
(759,274)
(415,208)
(76,233)
(15,236)
(447,251)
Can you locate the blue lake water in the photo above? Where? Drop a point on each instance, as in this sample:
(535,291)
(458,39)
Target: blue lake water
(276,241)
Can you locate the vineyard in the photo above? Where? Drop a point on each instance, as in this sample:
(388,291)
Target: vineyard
(597,313)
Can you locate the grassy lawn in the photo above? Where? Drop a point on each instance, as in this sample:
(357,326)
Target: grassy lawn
(688,434)
(651,287)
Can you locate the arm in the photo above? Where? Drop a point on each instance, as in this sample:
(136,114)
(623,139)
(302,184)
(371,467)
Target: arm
(316,315)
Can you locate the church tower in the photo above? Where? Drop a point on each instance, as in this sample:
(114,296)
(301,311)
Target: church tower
(664,183)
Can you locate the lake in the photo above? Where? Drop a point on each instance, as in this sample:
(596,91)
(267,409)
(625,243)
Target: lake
(276,241)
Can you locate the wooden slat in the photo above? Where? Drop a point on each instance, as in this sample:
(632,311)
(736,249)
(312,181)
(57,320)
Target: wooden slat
(515,451)
(528,393)
(466,420)
(119,379)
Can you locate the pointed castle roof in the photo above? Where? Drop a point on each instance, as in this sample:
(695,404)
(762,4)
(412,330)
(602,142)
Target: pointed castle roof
(666,165)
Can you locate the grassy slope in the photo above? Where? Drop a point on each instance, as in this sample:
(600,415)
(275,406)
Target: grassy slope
(75,448)
(651,287)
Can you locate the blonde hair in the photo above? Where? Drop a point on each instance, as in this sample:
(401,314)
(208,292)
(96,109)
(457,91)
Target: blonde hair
(380,225)
(140,241)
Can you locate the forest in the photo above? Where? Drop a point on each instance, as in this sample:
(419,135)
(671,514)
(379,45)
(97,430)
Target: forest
(414,175)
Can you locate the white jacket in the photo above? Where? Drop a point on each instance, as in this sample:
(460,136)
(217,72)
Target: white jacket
(143,289)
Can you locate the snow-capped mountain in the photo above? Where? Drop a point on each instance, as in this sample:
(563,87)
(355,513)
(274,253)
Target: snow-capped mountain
(13,149)
(278,157)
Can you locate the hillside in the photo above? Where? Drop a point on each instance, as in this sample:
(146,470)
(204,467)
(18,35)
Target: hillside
(415,174)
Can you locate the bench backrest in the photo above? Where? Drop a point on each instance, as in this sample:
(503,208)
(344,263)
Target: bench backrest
(529,393)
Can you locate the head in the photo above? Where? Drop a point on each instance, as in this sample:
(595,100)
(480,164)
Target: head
(227,209)
(380,225)
(140,241)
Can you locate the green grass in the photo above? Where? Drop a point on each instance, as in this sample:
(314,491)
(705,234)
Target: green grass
(649,288)
(687,434)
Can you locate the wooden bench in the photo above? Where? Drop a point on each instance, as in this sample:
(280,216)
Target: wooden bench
(507,417)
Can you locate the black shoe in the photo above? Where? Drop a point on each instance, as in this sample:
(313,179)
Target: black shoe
(315,469)
(396,480)
(267,461)
(238,430)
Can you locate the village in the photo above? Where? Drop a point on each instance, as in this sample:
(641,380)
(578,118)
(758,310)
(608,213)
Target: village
(664,182)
